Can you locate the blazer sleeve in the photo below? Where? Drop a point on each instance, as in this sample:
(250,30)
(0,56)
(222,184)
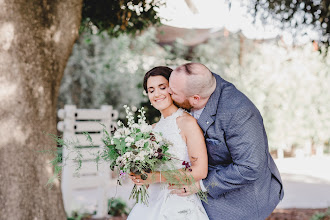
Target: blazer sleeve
(247,143)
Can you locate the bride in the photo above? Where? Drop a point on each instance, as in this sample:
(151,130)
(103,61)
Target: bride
(182,130)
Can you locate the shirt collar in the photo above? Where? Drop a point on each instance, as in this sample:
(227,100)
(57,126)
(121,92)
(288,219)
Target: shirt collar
(197,113)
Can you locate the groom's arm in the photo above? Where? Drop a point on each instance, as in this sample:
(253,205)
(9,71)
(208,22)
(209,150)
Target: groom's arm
(247,143)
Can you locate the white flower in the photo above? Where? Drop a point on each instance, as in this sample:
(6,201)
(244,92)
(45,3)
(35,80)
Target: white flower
(155,145)
(158,137)
(112,142)
(142,154)
(151,151)
(140,143)
(129,140)
(138,158)
(145,128)
(117,134)
(119,160)
(135,125)
(126,131)
(127,154)
(119,123)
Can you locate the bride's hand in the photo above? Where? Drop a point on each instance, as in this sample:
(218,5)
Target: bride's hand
(139,181)
(135,178)
(185,190)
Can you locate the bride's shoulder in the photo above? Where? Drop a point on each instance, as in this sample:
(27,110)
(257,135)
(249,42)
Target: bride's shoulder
(185,120)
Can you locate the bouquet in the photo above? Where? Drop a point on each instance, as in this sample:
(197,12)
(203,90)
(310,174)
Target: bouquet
(132,148)
(135,148)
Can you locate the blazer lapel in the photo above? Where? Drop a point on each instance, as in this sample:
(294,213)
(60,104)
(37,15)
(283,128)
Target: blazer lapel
(208,115)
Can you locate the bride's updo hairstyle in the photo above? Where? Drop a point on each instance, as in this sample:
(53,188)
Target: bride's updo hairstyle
(157,71)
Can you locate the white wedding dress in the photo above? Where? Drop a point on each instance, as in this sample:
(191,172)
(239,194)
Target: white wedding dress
(161,204)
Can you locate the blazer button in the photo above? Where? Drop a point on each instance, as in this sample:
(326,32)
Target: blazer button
(207,122)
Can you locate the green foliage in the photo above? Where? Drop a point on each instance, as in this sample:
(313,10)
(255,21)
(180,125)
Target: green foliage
(109,70)
(80,216)
(299,16)
(117,207)
(119,17)
(321,215)
(289,85)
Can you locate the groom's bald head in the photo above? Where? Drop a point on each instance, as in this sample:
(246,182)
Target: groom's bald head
(198,79)
(191,79)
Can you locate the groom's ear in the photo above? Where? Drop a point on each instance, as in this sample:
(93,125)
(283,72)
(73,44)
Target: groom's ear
(194,100)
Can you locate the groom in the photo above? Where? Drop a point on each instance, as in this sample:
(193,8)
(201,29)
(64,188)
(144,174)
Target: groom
(243,181)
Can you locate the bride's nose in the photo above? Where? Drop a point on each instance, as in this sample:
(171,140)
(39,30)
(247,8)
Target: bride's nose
(157,93)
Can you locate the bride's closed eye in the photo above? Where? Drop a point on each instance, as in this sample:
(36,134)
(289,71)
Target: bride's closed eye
(152,90)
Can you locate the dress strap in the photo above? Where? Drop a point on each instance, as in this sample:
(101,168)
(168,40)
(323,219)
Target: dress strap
(178,113)
(174,115)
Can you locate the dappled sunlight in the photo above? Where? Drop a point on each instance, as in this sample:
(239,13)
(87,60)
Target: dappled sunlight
(53,34)
(7,33)
(18,133)
(7,90)
(57,36)
(39,94)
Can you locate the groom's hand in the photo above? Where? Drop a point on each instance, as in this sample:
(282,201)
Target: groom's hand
(185,190)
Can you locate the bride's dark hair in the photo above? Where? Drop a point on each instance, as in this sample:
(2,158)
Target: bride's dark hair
(157,71)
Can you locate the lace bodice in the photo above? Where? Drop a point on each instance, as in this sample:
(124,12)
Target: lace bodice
(170,130)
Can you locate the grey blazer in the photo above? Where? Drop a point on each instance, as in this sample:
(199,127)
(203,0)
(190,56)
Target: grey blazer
(243,181)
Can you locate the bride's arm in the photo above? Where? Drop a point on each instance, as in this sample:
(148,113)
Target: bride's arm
(194,138)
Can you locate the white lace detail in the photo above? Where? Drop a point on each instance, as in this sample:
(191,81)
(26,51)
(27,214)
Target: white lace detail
(170,130)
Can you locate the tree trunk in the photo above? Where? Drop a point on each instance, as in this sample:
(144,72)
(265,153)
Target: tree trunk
(36,39)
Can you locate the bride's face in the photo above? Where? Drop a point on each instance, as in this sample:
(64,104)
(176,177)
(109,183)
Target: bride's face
(158,92)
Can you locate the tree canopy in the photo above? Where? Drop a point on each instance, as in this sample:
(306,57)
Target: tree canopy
(288,85)
(117,17)
(299,16)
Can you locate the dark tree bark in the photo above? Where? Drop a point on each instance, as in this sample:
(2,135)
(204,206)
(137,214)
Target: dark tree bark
(36,39)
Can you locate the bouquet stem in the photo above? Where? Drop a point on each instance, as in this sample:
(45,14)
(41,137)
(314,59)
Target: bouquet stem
(140,194)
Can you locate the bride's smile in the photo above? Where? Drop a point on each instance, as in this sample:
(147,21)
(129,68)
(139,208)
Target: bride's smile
(157,87)
(161,99)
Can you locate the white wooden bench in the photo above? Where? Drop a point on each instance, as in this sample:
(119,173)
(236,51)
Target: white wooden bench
(75,122)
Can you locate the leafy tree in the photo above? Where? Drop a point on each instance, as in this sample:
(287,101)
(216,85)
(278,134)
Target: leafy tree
(289,85)
(36,40)
(119,17)
(299,16)
(109,70)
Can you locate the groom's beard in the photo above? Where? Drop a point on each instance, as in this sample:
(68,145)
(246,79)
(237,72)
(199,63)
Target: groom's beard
(185,104)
